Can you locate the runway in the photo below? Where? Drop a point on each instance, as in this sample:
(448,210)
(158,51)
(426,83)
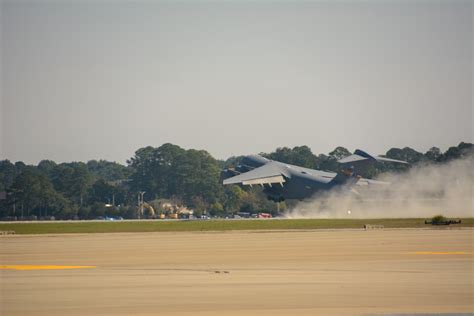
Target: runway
(336,272)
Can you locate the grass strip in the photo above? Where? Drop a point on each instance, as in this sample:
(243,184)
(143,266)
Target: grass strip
(212,225)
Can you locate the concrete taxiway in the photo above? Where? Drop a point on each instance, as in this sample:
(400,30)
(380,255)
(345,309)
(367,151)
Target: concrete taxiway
(341,272)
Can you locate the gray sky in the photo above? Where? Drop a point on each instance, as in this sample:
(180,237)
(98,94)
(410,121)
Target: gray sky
(87,80)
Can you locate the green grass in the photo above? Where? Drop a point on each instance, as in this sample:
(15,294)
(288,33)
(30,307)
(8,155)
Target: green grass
(211,225)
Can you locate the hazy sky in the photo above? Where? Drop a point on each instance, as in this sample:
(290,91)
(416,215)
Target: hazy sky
(87,80)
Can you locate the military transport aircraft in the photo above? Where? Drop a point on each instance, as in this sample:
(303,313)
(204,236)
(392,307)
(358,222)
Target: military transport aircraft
(283,181)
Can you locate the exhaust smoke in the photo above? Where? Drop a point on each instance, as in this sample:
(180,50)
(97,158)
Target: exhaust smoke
(423,191)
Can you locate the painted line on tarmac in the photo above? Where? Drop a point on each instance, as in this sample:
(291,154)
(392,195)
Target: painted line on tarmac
(42,267)
(439,253)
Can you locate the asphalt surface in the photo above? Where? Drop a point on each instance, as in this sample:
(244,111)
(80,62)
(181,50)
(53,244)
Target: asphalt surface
(341,272)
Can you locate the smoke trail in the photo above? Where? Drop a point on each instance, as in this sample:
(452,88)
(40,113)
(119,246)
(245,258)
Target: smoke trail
(424,191)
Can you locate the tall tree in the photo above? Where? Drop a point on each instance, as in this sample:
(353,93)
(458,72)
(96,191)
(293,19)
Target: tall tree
(32,191)
(107,170)
(339,153)
(7,174)
(197,174)
(299,155)
(433,154)
(47,167)
(72,180)
(152,168)
(406,154)
(456,152)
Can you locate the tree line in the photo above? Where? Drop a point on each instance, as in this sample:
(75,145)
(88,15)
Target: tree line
(79,190)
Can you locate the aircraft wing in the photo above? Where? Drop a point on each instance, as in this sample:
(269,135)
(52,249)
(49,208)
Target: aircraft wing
(266,174)
(360,155)
(351,158)
(360,161)
(378,158)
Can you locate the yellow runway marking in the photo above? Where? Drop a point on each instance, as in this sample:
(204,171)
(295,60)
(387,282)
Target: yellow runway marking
(42,267)
(439,253)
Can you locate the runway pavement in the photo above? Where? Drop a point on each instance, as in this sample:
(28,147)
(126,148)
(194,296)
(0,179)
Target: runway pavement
(340,272)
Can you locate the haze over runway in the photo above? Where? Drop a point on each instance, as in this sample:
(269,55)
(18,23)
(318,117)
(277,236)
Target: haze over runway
(338,272)
(98,79)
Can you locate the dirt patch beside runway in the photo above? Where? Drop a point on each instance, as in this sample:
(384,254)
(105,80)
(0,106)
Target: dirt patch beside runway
(238,273)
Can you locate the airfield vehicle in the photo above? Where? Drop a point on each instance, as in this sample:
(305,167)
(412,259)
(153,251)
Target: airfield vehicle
(442,221)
